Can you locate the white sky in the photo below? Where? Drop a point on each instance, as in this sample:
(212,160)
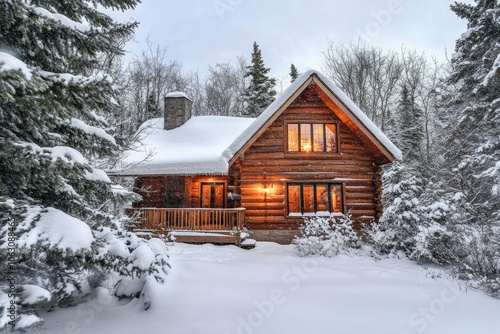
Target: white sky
(202,32)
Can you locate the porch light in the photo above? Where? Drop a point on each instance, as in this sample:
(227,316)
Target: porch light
(266,189)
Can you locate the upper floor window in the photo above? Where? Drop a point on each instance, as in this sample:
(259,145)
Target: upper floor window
(307,137)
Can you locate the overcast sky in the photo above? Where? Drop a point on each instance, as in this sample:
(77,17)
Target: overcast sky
(202,32)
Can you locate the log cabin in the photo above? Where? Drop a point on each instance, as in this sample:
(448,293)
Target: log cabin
(312,152)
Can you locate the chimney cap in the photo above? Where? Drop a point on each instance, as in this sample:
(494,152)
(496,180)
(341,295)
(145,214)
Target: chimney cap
(177,94)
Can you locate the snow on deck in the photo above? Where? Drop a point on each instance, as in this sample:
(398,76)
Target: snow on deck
(193,148)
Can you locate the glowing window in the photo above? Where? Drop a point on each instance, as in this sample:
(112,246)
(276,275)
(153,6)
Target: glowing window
(307,137)
(315,198)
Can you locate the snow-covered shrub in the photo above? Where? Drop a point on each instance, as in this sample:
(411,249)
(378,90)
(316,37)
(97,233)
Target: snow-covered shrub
(133,259)
(423,239)
(432,244)
(326,236)
(409,225)
(479,259)
(57,258)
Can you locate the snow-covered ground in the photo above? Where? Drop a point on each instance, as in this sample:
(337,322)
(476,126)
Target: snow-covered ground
(226,290)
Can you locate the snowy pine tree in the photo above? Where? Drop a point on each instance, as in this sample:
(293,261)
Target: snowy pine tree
(260,92)
(474,131)
(410,132)
(54,222)
(472,153)
(402,209)
(294,73)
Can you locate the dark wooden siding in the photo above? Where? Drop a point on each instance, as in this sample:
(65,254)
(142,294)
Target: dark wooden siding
(161,191)
(172,191)
(266,164)
(152,189)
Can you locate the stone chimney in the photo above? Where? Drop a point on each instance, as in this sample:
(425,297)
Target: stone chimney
(177,110)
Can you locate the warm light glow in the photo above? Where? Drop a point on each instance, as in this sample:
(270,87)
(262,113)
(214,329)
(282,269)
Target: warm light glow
(306,147)
(266,188)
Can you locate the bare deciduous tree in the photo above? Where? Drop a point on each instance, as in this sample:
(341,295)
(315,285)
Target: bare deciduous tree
(224,88)
(374,80)
(368,75)
(151,76)
(423,78)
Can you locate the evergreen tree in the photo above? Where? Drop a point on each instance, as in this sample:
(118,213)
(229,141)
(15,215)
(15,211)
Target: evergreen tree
(402,208)
(410,132)
(259,93)
(473,130)
(469,173)
(54,198)
(294,74)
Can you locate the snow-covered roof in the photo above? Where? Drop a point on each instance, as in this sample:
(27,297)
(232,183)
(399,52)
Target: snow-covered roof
(208,144)
(194,148)
(286,97)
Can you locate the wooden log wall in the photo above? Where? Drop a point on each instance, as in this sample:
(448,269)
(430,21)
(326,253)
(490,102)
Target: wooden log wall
(162,191)
(152,189)
(261,174)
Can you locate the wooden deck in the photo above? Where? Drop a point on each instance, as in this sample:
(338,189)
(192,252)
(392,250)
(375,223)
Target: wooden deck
(193,225)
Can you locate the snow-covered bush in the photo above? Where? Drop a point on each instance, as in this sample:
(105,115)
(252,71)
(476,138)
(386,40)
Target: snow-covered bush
(326,236)
(414,223)
(420,238)
(479,259)
(57,258)
(132,259)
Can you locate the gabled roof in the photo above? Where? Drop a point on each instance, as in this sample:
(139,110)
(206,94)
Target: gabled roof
(207,145)
(349,113)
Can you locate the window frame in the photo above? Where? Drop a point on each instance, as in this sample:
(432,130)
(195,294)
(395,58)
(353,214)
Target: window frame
(311,124)
(329,185)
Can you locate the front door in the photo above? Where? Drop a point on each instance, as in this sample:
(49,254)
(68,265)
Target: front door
(212,195)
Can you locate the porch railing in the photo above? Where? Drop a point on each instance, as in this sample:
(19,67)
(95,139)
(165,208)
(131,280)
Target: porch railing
(189,219)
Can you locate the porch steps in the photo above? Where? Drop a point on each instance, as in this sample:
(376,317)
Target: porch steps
(203,237)
(248,243)
(238,239)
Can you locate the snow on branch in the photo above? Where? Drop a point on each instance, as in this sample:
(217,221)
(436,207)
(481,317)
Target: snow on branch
(11,63)
(92,130)
(70,79)
(97,175)
(494,69)
(57,229)
(65,153)
(62,19)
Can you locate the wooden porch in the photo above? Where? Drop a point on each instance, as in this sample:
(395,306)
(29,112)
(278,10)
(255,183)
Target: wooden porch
(194,225)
